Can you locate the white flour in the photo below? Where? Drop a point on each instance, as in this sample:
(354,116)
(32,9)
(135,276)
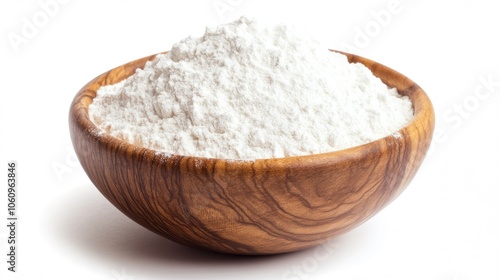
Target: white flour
(244,91)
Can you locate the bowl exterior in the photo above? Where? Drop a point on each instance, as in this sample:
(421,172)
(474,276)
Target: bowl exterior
(265,206)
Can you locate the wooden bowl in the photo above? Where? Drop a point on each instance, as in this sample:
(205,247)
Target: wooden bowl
(266,206)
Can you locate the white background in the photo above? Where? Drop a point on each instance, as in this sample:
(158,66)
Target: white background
(446,225)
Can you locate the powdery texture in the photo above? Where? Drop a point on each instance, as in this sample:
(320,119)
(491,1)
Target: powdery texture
(244,91)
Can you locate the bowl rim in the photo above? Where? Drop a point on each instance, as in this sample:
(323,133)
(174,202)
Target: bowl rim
(423,112)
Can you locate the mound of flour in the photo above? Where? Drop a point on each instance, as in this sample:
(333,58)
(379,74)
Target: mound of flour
(246,91)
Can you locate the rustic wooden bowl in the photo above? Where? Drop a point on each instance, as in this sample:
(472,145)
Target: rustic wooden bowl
(266,206)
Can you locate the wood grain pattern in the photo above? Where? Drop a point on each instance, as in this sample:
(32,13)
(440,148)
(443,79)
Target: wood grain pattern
(264,206)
